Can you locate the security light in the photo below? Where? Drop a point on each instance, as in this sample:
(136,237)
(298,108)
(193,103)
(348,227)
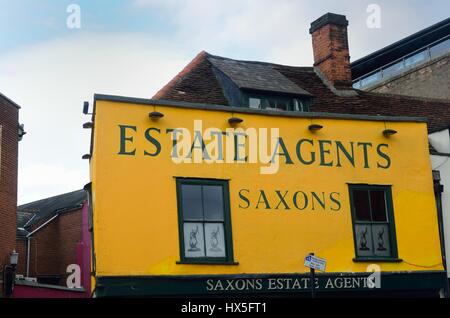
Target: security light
(389,132)
(235,120)
(86,156)
(155,115)
(315,127)
(88,125)
(85,108)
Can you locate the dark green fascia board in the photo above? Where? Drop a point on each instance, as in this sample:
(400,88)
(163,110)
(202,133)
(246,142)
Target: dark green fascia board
(182,285)
(377,260)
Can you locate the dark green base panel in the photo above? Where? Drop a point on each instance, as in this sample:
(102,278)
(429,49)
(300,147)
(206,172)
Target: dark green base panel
(389,284)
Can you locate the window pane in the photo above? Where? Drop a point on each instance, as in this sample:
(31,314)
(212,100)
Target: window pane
(361,204)
(215,240)
(381,240)
(363,240)
(440,48)
(254,102)
(393,69)
(378,204)
(283,104)
(194,241)
(213,202)
(191,197)
(371,79)
(415,59)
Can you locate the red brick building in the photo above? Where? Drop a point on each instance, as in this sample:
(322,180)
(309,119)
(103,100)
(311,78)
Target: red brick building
(9,137)
(49,236)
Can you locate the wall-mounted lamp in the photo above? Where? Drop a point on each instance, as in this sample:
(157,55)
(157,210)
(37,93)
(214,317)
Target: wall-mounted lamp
(155,115)
(14,258)
(315,127)
(86,156)
(389,132)
(88,125)
(235,120)
(21,131)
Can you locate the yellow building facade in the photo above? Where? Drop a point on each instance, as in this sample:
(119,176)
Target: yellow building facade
(215,200)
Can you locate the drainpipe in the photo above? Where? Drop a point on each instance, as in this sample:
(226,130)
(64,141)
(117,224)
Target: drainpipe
(28,256)
(438,189)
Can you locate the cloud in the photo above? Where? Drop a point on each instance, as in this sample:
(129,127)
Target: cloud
(51,80)
(278,31)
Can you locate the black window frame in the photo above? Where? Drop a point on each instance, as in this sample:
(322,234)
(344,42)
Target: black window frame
(229,255)
(303,101)
(393,257)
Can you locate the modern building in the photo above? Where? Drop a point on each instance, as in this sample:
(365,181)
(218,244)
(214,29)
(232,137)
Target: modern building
(183,202)
(52,234)
(418,65)
(10,133)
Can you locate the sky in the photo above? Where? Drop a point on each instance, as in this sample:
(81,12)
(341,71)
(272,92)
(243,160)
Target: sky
(134,47)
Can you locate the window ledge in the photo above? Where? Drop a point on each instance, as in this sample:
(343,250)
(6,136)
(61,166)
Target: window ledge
(375,259)
(206,263)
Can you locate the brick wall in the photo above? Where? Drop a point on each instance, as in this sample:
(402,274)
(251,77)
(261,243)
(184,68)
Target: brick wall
(53,247)
(8,181)
(430,80)
(330,48)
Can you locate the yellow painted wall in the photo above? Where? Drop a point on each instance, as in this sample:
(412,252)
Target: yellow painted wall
(135,206)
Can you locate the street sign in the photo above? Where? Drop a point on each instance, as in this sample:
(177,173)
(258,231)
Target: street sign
(315,262)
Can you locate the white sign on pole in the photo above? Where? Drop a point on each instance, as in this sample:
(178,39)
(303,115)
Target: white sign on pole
(315,262)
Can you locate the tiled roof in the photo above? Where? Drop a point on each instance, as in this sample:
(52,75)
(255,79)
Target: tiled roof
(256,76)
(197,83)
(48,207)
(23,218)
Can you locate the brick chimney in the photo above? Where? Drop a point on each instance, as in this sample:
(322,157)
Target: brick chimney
(330,48)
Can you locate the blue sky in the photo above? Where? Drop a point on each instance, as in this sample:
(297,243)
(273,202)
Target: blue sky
(134,47)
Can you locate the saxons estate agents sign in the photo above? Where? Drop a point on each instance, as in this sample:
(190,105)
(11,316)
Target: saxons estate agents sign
(191,199)
(251,145)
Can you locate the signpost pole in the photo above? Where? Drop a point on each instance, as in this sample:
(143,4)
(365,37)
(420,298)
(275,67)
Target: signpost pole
(312,279)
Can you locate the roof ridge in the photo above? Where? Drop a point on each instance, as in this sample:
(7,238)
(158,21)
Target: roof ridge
(52,197)
(256,62)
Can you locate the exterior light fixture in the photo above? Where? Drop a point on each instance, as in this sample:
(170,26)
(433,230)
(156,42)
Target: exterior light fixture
(389,132)
(235,120)
(155,115)
(315,127)
(14,258)
(86,108)
(88,125)
(86,156)
(21,131)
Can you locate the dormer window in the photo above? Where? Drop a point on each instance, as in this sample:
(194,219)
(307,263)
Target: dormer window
(259,86)
(287,103)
